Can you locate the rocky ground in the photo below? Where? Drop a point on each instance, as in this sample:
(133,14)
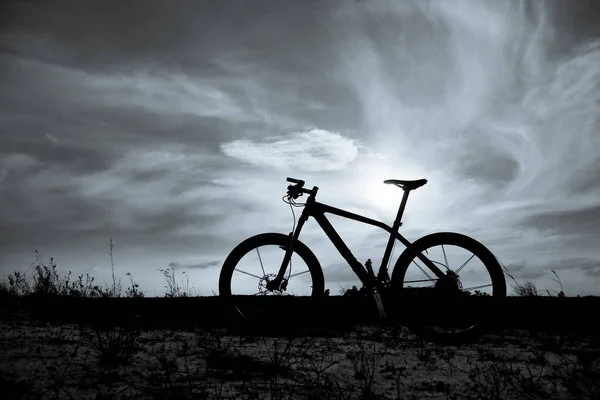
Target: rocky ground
(69,361)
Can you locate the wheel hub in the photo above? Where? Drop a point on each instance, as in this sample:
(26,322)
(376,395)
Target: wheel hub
(450,284)
(268,285)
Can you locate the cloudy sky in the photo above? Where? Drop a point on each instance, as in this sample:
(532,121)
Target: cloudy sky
(172,126)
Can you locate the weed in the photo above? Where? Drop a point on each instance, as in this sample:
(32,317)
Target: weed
(365,362)
(447,355)
(426,355)
(17,285)
(561,293)
(133,290)
(315,365)
(280,353)
(527,289)
(487,383)
(581,375)
(174,289)
(58,376)
(114,345)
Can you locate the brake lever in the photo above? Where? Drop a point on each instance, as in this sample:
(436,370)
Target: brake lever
(291,192)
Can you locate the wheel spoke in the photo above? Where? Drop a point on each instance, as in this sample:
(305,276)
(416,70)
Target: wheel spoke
(261,263)
(423,271)
(445,258)
(447,324)
(421,281)
(478,287)
(248,273)
(462,266)
(298,273)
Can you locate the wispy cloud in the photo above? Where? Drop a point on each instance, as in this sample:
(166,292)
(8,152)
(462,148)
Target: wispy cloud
(312,150)
(180,144)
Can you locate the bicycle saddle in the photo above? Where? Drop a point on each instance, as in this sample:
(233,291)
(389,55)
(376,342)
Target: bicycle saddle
(406,185)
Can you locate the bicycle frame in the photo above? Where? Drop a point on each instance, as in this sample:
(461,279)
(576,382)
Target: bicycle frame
(317,211)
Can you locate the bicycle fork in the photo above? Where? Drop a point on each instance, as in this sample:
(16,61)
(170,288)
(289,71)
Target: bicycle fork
(276,284)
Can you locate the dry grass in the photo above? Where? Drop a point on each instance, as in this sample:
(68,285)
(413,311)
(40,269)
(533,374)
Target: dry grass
(70,361)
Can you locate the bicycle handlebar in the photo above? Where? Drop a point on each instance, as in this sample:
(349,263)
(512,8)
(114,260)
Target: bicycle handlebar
(296,191)
(295,181)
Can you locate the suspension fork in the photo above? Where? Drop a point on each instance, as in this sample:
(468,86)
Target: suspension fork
(293,236)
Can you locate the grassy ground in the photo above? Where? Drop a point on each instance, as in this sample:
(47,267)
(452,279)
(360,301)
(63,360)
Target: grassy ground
(103,360)
(40,360)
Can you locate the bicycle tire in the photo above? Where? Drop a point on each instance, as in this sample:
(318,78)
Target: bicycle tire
(246,316)
(473,333)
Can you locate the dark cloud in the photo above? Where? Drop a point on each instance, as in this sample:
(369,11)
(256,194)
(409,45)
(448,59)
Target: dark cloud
(564,267)
(202,265)
(119,119)
(589,266)
(180,33)
(523,270)
(581,222)
(483,161)
(64,155)
(577,21)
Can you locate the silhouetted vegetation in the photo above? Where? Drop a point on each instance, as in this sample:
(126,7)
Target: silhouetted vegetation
(300,356)
(526,289)
(46,281)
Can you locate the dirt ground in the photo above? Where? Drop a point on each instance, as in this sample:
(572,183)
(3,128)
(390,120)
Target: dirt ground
(44,361)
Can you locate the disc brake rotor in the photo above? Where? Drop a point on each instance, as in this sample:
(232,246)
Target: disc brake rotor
(262,285)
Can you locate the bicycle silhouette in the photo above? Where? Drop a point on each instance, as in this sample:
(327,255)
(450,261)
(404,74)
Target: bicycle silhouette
(438,281)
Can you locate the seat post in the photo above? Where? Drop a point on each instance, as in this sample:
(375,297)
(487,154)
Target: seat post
(397,222)
(383,275)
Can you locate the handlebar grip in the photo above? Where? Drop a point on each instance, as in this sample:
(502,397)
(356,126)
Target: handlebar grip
(294,180)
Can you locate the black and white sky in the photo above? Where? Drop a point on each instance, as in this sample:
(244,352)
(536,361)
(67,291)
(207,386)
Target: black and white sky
(171,127)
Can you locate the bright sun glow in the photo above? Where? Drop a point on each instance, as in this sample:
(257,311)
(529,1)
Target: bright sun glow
(385,198)
(381,197)
(381,200)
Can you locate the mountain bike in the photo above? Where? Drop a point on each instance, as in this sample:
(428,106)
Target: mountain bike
(433,268)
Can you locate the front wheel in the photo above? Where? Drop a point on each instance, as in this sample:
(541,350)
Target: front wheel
(454,309)
(254,263)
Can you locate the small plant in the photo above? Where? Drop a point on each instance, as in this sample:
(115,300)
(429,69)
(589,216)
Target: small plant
(47,282)
(581,375)
(557,280)
(114,345)
(59,377)
(527,289)
(365,362)
(314,370)
(45,279)
(174,289)
(17,285)
(81,288)
(115,289)
(488,382)
(133,290)
(280,353)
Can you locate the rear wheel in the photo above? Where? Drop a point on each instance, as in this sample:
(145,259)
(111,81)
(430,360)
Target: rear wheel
(455,309)
(254,263)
